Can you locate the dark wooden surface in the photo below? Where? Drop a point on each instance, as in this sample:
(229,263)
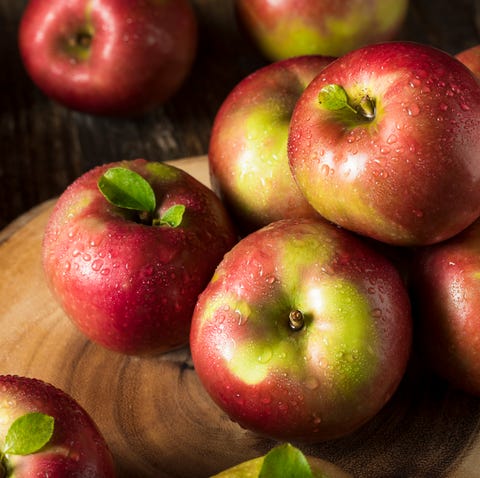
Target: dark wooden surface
(44,146)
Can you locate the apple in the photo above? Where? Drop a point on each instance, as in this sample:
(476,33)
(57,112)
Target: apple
(303,333)
(285,28)
(129,279)
(282,461)
(45,432)
(247,154)
(108,57)
(470,57)
(445,285)
(385,142)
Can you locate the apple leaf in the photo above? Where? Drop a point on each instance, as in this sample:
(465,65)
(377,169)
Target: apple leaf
(28,434)
(127,189)
(172,217)
(333,97)
(285,460)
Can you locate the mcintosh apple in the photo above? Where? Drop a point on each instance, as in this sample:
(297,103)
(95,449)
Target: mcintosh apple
(129,279)
(446,287)
(108,57)
(385,141)
(471,58)
(303,333)
(284,461)
(287,28)
(46,433)
(248,144)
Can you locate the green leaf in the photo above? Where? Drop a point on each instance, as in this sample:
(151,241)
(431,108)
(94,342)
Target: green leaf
(28,434)
(127,189)
(172,217)
(333,97)
(285,460)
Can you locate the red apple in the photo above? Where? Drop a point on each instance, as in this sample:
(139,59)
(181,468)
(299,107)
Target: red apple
(108,57)
(248,144)
(446,280)
(471,58)
(286,28)
(127,284)
(76,447)
(386,142)
(303,333)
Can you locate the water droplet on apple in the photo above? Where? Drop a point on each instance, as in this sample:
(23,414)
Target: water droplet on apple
(283,407)
(392,139)
(311,383)
(465,107)
(270,279)
(105,271)
(67,266)
(265,355)
(147,271)
(413,110)
(97,264)
(241,318)
(377,313)
(349,357)
(325,169)
(86,257)
(443,107)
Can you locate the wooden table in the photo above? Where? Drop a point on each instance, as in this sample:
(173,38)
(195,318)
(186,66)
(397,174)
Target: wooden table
(169,427)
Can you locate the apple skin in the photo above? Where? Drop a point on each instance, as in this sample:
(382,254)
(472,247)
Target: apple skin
(410,176)
(446,294)
(77,447)
(247,154)
(136,55)
(251,469)
(288,28)
(331,376)
(128,286)
(470,57)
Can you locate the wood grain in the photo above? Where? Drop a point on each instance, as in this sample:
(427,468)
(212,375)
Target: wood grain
(159,421)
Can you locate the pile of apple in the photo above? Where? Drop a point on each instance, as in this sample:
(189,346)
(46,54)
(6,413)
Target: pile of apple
(292,280)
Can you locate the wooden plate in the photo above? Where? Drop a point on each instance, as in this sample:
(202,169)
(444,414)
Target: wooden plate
(159,421)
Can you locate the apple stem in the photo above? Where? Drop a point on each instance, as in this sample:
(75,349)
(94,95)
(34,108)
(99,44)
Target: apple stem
(82,39)
(296,320)
(366,108)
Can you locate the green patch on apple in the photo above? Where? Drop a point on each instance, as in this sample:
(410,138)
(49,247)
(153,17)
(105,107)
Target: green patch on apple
(344,341)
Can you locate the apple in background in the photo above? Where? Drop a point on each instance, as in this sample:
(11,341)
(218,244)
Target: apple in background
(127,283)
(303,333)
(76,447)
(471,58)
(385,141)
(248,144)
(286,461)
(446,288)
(108,57)
(287,28)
